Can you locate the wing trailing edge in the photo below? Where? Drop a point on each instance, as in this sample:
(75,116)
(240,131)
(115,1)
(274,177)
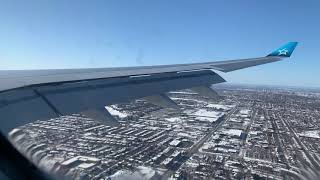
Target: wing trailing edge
(88,97)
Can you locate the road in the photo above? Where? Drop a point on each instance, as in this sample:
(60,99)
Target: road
(303,147)
(280,150)
(196,146)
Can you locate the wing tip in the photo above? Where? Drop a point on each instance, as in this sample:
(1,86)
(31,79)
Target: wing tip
(285,50)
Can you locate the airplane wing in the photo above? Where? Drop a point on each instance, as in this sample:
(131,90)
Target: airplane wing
(28,95)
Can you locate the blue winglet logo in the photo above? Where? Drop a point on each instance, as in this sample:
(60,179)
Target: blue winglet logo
(285,50)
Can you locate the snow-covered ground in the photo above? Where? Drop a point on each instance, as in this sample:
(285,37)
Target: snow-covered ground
(311,134)
(210,119)
(187,99)
(232,132)
(174,142)
(173,119)
(220,106)
(244,111)
(113,111)
(143,173)
(205,115)
(190,135)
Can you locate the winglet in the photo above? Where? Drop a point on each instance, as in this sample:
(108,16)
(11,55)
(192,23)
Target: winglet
(285,50)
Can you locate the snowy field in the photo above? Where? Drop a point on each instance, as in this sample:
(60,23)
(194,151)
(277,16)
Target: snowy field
(205,115)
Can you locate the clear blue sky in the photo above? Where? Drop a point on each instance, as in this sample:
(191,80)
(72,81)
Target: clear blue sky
(46,34)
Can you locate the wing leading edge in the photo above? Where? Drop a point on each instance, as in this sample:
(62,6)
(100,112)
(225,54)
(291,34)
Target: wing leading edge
(11,79)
